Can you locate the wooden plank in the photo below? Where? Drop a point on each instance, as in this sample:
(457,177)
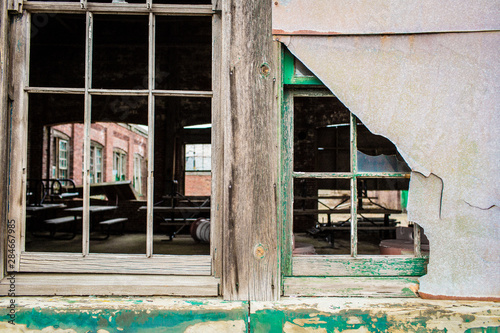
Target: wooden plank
(115,263)
(327,265)
(18,126)
(250,153)
(4,116)
(111,284)
(351,286)
(286,192)
(217,144)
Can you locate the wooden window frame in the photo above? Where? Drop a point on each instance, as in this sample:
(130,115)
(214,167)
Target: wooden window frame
(203,270)
(119,163)
(137,170)
(335,275)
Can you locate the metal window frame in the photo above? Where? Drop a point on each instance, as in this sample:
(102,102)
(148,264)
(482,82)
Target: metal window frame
(147,263)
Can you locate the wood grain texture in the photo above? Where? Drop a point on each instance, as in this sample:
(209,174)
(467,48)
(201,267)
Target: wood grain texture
(111,284)
(115,263)
(217,141)
(4,107)
(327,265)
(250,152)
(100,8)
(18,126)
(350,286)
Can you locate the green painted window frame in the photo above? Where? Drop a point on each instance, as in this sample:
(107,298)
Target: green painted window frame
(300,274)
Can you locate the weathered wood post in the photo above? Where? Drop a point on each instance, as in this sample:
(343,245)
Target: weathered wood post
(248,72)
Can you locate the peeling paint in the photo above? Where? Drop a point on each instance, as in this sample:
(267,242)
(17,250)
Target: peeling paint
(435,96)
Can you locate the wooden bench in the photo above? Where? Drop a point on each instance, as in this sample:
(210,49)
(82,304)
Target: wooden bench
(110,222)
(61,220)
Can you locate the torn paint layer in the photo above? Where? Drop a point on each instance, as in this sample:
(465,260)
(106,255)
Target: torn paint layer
(436,98)
(344,17)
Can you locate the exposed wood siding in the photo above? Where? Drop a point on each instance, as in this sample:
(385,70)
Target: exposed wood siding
(250,152)
(350,286)
(115,263)
(4,107)
(111,284)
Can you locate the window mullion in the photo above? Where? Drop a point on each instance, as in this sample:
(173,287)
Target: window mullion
(354,187)
(87,121)
(151,125)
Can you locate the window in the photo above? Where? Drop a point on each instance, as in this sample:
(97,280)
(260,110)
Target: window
(344,187)
(119,165)
(63,159)
(127,84)
(95,163)
(138,160)
(198,157)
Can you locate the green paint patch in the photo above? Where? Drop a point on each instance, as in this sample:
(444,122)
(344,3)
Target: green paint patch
(140,320)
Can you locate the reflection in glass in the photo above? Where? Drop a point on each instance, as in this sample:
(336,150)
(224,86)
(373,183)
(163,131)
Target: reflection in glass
(377,154)
(54,162)
(182,195)
(118,171)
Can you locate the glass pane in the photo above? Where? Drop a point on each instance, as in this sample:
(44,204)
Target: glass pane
(55,138)
(57,50)
(381,214)
(183,53)
(321,135)
(120,52)
(377,154)
(118,132)
(182,199)
(321,222)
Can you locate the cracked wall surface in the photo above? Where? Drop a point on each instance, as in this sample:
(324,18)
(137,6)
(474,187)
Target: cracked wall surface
(435,96)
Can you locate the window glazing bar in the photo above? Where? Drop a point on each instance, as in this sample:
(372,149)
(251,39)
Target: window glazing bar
(151,126)
(103,8)
(87,121)
(51,90)
(354,187)
(343,175)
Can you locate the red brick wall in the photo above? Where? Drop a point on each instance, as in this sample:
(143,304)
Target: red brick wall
(110,136)
(198,184)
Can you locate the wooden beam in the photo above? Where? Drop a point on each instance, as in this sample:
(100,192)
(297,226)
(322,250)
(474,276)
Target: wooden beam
(114,263)
(351,286)
(250,152)
(217,144)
